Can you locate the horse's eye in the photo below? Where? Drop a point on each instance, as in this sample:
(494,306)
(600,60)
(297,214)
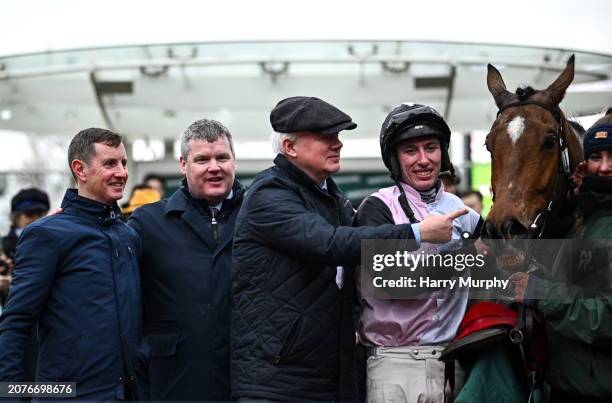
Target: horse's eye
(549,142)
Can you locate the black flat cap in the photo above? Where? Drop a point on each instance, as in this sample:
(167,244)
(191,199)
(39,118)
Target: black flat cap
(28,200)
(309,114)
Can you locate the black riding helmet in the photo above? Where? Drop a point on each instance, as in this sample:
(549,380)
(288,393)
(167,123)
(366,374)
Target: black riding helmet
(408,121)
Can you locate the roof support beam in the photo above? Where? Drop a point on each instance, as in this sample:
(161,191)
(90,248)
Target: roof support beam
(98,90)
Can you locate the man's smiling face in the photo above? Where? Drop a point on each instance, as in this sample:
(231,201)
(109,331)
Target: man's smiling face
(420,160)
(105,175)
(210,169)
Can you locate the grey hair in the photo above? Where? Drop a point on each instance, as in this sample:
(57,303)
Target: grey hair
(277,140)
(204,129)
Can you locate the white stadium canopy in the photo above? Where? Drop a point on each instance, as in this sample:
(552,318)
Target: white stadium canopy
(148,69)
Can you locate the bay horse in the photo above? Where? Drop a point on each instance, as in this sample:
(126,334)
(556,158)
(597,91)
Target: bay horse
(534,150)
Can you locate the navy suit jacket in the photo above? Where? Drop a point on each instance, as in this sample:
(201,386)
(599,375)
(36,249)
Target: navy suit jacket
(186,292)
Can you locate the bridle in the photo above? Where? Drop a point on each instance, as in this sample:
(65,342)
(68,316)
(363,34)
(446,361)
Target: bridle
(537,226)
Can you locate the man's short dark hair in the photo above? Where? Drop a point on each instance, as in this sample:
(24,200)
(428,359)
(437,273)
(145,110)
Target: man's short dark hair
(204,129)
(155,177)
(82,146)
(472,192)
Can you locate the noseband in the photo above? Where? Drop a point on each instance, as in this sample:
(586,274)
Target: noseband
(537,226)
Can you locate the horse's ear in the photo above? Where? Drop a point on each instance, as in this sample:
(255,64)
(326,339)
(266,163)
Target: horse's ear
(496,85)
(605,119)
(556,90)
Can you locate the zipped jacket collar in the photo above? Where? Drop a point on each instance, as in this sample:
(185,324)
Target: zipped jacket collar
(104,214)
(178,201)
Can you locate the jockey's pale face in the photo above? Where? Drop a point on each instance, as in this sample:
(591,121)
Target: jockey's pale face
(316,154)
(599,163)
(420,160)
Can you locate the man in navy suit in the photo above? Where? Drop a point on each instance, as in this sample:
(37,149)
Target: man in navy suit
(185,268)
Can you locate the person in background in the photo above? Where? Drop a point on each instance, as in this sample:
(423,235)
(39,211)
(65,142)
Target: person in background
(473,199)
(451,182)
(141,195)
(76,279)
(186,264)
(156,182)
(27,206)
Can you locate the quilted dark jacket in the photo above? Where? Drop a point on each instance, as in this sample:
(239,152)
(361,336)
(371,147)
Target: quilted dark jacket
(292,333)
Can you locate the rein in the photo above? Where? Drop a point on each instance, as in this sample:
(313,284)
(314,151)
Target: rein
(537,226)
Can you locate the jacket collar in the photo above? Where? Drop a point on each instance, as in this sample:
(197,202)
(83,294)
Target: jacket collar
(414,196)
(303,179)
(196,214)
(181,199)
(84,207)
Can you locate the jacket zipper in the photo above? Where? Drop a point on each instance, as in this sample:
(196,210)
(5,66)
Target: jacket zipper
(338,208)
(214,224)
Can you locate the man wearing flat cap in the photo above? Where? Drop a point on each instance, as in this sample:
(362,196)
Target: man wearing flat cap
(292,288)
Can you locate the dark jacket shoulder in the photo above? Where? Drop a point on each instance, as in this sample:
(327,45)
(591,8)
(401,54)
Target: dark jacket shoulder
(373,211)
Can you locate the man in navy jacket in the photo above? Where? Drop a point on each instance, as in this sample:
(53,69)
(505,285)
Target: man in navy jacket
(185,267)
(76,278)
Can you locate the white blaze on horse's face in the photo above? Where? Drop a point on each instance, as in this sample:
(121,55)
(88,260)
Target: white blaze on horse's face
(516,128)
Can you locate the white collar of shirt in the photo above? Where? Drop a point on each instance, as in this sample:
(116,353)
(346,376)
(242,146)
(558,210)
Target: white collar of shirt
(218,206)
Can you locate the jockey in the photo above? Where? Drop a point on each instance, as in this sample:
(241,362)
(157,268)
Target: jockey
(406,336)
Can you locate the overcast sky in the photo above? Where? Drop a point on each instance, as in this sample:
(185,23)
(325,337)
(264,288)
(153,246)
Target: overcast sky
(39,25)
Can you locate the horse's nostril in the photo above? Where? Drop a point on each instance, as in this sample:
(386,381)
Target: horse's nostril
(489,231)
(514,229)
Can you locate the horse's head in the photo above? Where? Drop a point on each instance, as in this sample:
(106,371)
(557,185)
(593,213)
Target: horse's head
(528,142)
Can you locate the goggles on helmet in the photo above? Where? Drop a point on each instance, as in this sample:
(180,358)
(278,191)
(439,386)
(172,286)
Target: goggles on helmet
(398,119)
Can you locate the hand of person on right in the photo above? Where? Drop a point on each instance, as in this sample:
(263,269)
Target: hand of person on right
(55,211)
(438,228)
(520,281)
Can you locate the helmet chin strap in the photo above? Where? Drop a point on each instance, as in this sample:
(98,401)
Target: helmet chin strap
(446,162)
(403,201)
(450,171)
